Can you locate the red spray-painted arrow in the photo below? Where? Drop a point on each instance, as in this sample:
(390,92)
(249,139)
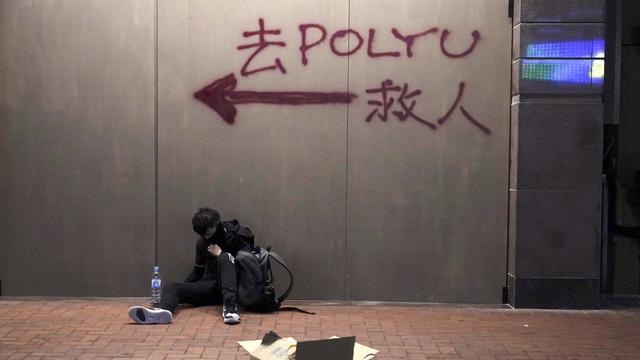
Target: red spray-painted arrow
(221,97)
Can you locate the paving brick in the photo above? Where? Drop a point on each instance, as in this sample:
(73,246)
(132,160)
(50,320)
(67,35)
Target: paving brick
(99,329)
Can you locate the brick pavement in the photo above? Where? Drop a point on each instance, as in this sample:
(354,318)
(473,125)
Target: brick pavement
(46,328)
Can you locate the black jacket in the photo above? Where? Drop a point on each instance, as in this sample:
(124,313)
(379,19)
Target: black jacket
(231,237)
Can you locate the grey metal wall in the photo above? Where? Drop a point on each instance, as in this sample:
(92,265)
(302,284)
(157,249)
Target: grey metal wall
(376,210)
(76,147)
(281,171)
(426,212)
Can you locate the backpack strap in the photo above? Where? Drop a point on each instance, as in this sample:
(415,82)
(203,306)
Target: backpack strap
(293,308)
(280,261)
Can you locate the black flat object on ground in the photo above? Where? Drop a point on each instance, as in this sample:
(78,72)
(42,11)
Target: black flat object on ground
(334,349)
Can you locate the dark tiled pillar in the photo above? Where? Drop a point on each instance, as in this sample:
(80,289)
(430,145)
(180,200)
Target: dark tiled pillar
(556,147)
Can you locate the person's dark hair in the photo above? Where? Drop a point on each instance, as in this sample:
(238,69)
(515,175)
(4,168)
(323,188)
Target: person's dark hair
(204,219)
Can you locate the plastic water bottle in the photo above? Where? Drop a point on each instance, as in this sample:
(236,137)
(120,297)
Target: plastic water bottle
(156,285)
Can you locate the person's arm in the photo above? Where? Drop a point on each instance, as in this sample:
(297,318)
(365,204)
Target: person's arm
(198,268)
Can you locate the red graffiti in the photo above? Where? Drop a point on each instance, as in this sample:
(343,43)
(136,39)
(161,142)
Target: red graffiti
(407,111)
(373,54)
(387,101)
(396,100)
(466,114)
(222,97)
(313,35)
(341,34)
(443,38)
(358,41)
(261,45)
(410,39)
(384,106)
(305,46)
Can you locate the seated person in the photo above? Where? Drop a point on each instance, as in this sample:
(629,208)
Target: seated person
(213,280)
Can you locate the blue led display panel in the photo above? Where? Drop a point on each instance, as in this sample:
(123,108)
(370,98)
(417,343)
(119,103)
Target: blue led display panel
(567,49)
(564,62)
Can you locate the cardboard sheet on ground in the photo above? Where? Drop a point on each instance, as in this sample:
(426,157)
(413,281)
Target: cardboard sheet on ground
(285,349)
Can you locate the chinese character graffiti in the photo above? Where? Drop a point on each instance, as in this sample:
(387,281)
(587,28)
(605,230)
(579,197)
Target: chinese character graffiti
(261,45)
(405,100)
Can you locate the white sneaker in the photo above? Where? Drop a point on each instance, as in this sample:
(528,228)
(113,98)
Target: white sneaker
(148,315)
(230,315)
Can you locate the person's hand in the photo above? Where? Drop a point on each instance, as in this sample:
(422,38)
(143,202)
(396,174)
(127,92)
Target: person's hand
(214,249)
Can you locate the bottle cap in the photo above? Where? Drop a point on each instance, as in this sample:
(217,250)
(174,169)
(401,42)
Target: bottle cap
(156,268)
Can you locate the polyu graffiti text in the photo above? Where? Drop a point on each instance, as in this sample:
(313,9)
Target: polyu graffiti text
(314,35)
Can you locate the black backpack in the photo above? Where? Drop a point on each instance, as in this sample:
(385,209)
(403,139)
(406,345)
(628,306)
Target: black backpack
(256,292)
